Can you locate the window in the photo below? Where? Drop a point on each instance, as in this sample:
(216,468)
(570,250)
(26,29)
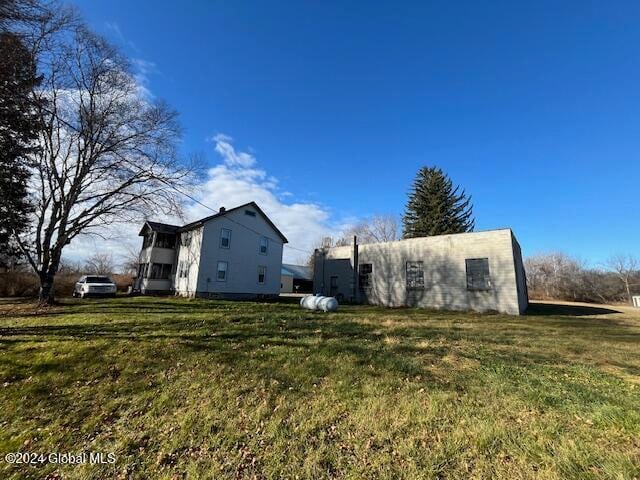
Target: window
(364,276)
(264,245)
(222,271)
(185,238)
(225,238)
(262,274)
(147,240)
(98,280)
(415,276)
(333,286)
(160,271)
(478,277)
(183,269)
(251,213)
(165,240)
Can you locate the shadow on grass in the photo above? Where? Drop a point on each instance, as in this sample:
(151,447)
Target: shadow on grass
(552,309)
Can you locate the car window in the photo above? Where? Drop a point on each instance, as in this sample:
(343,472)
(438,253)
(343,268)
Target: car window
(99,280)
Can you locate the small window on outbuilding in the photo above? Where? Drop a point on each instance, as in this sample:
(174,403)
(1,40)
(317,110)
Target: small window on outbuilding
(262,274)
(225,238)
(478,277)
(251,213)
(365,272)
(415,275)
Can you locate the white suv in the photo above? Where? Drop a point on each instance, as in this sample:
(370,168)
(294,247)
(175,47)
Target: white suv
(94,286)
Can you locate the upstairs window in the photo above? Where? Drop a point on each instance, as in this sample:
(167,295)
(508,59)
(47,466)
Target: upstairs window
(225,238)
(165,240)
(251,213)
(221,275)
(415,276)
(147,240)
(364,277)
(478,277)
(185,238)
(262,274)
(264,245)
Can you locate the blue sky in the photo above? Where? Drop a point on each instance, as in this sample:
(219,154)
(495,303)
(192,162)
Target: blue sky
(532,107)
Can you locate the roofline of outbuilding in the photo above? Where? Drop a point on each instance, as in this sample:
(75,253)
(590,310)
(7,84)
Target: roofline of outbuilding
(434,236)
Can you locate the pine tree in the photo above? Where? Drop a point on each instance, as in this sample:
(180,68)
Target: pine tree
(435,207)
(18,131)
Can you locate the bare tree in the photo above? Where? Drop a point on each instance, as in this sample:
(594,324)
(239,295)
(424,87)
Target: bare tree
(100,264)
(626,268)
(375,229)
(107,155)
(131,261)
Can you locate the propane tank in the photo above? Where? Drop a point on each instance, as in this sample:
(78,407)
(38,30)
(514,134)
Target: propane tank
(319,302)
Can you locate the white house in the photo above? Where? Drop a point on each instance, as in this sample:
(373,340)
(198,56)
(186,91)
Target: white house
(236,253)
(480,271)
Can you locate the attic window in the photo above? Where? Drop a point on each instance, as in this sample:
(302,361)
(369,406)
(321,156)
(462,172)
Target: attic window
(251,213)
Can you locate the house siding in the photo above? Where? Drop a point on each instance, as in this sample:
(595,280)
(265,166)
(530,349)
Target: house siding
(243,258)
(191,255)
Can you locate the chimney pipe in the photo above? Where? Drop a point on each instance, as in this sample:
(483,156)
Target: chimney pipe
(222,209)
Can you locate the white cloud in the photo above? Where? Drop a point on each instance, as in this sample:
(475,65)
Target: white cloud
(231,157)
(235,181)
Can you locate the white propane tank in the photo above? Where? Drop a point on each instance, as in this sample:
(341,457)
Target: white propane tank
(318,302)
(308,302)
(328,304)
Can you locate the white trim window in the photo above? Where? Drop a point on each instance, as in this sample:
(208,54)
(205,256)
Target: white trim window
(183,269)
(222,271)
(225,238)
(262,274)
(264,246)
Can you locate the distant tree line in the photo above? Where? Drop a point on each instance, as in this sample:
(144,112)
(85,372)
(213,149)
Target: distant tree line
(559,276)
(21,281)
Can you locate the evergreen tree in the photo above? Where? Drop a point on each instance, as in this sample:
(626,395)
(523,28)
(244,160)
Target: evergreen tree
(18,132)
(435,207)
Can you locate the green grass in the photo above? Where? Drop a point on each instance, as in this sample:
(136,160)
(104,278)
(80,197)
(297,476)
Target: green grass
(201,389)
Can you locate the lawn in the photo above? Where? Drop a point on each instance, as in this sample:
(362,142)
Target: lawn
(201,389)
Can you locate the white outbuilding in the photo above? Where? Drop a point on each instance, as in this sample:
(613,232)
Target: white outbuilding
(480,271)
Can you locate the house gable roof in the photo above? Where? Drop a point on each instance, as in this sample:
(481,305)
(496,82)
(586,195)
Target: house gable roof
(158,227)
(204,220)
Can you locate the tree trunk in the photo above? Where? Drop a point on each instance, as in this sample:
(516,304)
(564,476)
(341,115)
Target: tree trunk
(46,296)
(628,288)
